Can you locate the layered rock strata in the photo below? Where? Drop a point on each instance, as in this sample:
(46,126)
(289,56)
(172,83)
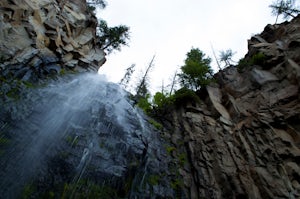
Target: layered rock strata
(243,140)
(43,37)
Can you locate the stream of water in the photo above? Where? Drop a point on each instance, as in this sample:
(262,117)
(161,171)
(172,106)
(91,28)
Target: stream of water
(82,118)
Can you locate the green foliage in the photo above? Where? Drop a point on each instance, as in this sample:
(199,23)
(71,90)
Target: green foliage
(108,38)
(72,140)
(170,149)
(185,95)
(182,157)
(87,189)
(28,190)
(13,93)
(62,72)
(156,124)
(242,64)
(14,87)
(111,38)
(161,100)
(144,104)
(196,72)
(154,179)
(257,59)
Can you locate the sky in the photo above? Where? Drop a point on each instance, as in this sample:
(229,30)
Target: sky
(169,29)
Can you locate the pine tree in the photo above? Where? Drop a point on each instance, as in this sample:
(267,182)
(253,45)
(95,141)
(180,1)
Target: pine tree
(112,38)
(197,71)
(226,57)
(287,8)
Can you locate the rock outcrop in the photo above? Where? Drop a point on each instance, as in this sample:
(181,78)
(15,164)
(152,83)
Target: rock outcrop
(243,140)
(40,37)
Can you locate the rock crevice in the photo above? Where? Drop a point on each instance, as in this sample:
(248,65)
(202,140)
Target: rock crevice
(47,36)
(242,141)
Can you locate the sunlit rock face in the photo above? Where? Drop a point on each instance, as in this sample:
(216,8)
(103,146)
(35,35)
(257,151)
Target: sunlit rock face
(45,36)
(80,137)
(243,140)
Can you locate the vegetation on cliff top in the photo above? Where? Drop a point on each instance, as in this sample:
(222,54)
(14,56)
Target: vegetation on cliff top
(287,8)
(196,73)
(109,38)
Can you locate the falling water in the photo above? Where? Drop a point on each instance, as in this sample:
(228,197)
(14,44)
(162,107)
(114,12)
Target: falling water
(84,119)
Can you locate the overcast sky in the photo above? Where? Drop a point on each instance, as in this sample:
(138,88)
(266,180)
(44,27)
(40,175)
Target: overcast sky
(170,28)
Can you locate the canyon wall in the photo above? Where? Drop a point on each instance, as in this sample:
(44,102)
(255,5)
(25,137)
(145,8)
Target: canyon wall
(243,139)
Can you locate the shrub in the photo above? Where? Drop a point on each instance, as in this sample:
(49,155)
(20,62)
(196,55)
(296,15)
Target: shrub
(185,95)
(154,179)
(257,59)
(156,124)
(161,102)
(144,104)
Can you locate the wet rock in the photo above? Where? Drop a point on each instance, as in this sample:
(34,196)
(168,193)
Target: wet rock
(81,130)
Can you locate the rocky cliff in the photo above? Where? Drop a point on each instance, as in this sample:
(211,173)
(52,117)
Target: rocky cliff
(60,139)
(41,37)
(243,139)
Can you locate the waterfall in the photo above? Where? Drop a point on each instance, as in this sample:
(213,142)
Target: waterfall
(78,127)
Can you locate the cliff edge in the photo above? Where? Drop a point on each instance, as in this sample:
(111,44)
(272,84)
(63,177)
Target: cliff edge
(243,139)
(43,37)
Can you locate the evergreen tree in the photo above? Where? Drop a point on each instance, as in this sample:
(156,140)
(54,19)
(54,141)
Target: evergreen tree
(142,95)
(196,72)
(226,57)
(112,38)
(125,80)
(142,88)
(287,8)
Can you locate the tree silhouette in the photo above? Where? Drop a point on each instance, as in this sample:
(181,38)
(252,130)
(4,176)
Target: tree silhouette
(125,80)
(226,57)
(142,88)
(287,8)
(112,38)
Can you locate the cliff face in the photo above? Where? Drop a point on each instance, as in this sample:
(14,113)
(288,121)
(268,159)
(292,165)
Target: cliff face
(42,37)
(243,140)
